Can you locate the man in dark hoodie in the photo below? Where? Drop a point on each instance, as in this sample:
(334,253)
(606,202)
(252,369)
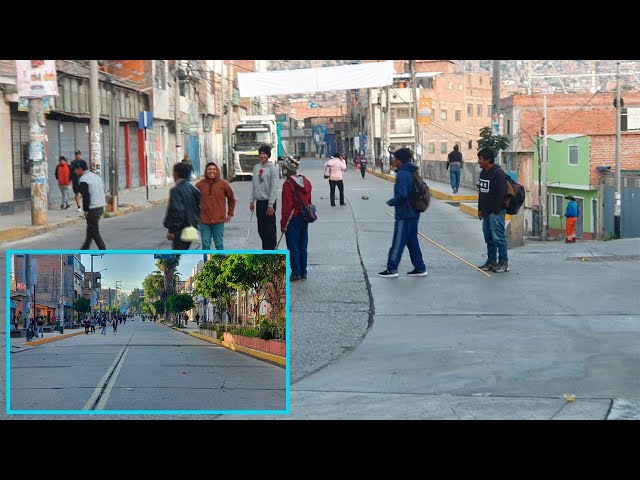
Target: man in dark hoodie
(217,204)
(405,230)
(296,228)
(491,210)
(184,207)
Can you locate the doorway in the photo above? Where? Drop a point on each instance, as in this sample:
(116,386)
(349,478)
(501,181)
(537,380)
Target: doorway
(580,222)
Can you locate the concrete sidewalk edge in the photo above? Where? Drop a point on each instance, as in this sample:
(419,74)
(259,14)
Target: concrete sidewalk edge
(33,343)
(434,193)
(19,233)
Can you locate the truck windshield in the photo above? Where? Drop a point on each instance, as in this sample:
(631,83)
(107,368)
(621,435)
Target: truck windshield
(250,137)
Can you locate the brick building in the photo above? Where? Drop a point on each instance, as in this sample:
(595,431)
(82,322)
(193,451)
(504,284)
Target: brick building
(570,118)
(48,286)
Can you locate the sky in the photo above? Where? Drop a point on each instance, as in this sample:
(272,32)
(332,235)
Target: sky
(130,269)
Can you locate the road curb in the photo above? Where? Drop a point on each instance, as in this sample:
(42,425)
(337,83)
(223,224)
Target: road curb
(19,233)
(434,193)
(52,339)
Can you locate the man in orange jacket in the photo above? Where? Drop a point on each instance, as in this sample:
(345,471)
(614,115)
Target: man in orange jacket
(217,204)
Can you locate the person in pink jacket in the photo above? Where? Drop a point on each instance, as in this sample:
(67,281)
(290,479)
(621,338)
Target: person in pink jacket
(336,165)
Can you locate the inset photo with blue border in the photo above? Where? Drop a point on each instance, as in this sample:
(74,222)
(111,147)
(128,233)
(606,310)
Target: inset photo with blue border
(147,332)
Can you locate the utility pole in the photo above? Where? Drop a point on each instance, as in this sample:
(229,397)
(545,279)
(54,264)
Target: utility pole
(371,132)
(177,113)
(60,315)
(387,127)
(114,123)
(616,218)
(495,102)
(229,115)
(27,281)
(414,109)
(543,179)
(117,304)
(94,123)
(38,162)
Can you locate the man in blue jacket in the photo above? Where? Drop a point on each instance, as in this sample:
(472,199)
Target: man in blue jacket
(405,230)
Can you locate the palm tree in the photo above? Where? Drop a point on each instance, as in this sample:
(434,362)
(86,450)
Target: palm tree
(168,268)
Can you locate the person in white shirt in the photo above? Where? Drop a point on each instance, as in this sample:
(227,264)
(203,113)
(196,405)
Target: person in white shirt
(264,193)
(334,168)
(93,202)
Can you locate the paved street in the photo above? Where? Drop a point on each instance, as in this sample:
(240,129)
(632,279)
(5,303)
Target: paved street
(562,324)
(145,366)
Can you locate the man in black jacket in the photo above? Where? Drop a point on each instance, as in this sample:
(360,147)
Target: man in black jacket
(184,206)
(491,211)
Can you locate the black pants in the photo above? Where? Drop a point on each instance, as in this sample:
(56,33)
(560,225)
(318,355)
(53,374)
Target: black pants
(363,170)
(93,231)
(332,191)
(266,225)
(180,244)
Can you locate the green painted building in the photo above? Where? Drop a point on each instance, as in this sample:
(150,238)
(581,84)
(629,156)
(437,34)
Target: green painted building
(568,174)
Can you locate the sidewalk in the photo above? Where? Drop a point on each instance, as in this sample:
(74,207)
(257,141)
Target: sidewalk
(194,330)
(20,344)
(18,226)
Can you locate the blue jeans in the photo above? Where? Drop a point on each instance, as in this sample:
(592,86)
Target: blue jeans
(494,237)
(212,230)
(297,239)
(454,176)
(405,232)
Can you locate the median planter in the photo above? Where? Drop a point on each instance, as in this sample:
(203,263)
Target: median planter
(275,347)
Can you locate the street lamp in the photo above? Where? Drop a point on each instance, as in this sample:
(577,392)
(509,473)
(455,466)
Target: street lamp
(118,285)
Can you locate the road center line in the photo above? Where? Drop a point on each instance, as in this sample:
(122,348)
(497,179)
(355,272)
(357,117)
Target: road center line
(107,392)
(101,384)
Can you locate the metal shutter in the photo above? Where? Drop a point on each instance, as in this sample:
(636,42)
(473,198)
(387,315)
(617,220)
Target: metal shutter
(67,136)
(133,155)
(82,140)
(122,171)
(53,154)
(106,152)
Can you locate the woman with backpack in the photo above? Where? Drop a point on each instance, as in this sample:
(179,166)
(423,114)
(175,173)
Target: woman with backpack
(296,192)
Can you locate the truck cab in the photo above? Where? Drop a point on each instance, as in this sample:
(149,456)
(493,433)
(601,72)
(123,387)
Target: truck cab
(252,132)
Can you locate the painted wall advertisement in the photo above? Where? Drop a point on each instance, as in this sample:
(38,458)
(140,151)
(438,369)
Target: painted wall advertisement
(36,78)
(424,111)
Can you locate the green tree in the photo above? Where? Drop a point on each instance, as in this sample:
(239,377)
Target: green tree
(153,285)
(134,300)
(158,307)
(255,273)
(167,267)
(179,302)
(82,305)
(211,283)
(488,139)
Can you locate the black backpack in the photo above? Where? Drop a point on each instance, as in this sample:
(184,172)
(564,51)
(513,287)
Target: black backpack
(421,195)
(514,195)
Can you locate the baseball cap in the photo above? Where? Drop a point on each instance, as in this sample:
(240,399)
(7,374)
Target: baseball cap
(81,164)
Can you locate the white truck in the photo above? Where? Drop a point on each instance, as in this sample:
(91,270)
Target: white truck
(252,132)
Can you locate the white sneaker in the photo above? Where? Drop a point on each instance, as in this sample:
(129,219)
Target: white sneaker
(80,209)
(417,273)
